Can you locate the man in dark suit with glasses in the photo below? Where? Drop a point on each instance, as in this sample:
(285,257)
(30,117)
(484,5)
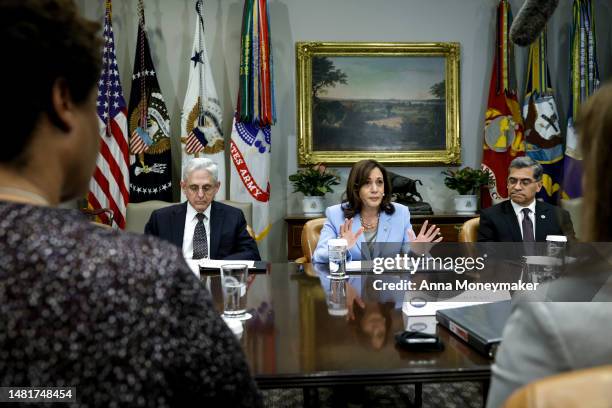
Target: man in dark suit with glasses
(522,218)
(201,227)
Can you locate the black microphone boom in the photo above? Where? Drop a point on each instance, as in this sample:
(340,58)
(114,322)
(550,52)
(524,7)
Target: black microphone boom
(531,20)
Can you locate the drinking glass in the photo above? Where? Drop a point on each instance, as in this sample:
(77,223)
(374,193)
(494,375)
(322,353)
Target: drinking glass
(234,285)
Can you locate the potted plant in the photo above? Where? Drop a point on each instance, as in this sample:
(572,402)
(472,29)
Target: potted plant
(467,182)
(314,182)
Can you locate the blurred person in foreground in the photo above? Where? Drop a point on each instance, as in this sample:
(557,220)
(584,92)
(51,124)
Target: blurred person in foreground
(367,216)
(116,315)
(547,338)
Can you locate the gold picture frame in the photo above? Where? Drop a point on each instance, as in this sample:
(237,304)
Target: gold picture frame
(378,100)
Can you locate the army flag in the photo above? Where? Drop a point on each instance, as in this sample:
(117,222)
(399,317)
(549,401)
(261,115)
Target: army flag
(503,132)
(108,187)
(251,139)
(543,141)
(201,118)
(584,80)
(149,126)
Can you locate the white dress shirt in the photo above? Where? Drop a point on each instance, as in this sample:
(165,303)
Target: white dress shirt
(190,223)
(518,210)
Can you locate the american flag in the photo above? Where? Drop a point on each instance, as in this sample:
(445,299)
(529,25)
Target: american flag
(109,186)
(140,141)
(196,141)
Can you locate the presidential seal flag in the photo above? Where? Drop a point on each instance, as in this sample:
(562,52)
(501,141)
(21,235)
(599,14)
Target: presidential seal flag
(108,187)
(251,139)
(201,116)
(543,141)
(584,80)
(503,133)
(149,126)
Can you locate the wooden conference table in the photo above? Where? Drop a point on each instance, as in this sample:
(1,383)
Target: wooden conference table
(292,341)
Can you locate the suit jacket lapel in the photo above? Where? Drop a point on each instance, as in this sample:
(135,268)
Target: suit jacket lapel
(384,227)
(382,235)
(178,224)
(361,239)
(512,221)
(542,221)
(216,221)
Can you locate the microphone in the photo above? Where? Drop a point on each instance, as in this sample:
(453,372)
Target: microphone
(531,20)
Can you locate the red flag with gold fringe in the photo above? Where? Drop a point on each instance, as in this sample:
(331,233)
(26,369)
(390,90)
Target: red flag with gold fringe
(503,133)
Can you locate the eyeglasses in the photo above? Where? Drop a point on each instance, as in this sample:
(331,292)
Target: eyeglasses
(524,182)
(207,189)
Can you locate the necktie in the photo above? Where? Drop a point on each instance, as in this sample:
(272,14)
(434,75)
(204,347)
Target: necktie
(527,226)
(200,242)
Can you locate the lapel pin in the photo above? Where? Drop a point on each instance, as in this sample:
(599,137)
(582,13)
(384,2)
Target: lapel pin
(542,216)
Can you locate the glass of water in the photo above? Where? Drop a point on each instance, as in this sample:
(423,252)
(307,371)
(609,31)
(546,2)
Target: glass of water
(556,246)
(234,285)
(337,257)
(336,300)
(540,269)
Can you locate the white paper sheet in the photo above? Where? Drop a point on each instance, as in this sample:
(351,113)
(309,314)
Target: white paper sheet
(195,264)
(353,266)
(467,298)
(217,263)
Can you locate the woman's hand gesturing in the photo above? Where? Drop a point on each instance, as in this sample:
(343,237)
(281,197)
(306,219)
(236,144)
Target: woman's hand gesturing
(346,232)
(426,239)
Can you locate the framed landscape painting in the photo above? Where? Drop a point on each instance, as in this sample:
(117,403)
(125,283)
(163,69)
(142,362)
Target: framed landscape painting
(397,103)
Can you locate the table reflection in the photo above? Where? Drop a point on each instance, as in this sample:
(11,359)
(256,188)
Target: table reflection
(308,329)
(368,312)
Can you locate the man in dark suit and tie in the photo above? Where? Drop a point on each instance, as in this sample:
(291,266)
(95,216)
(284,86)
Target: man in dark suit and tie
(522,218)
(202,227)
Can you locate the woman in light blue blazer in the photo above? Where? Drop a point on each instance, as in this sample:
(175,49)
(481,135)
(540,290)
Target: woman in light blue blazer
(367,215)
